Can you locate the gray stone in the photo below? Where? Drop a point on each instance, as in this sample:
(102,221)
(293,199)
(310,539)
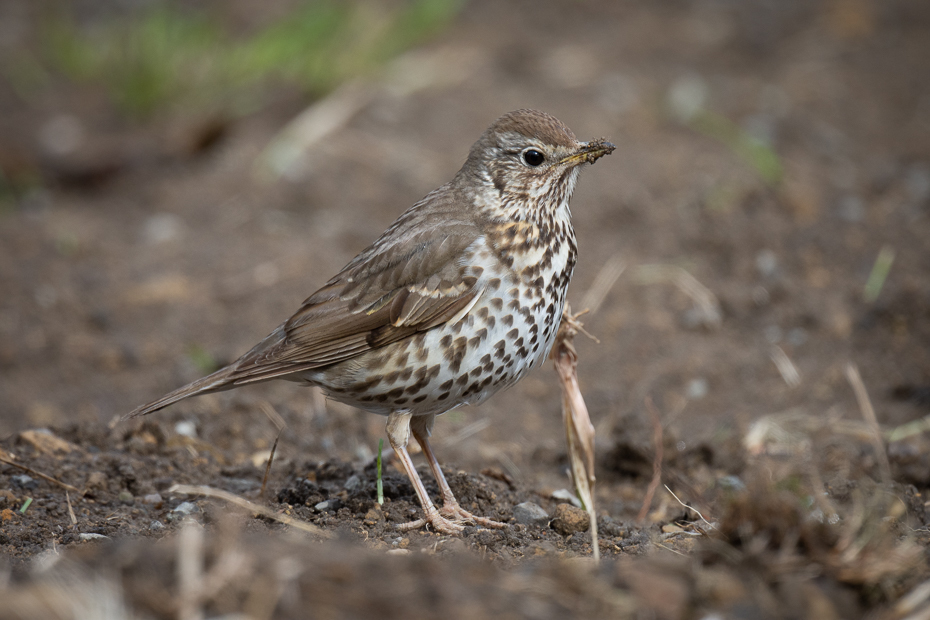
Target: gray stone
(330,505)
(186,508)
(529,513)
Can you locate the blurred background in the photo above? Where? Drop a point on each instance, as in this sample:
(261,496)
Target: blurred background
(176,177)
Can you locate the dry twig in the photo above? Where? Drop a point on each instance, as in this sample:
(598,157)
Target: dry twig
(603,282)
(190,571)
(787,369)
(251,506)
(656,461)
(71,514)
(278,421)
(868,414)
(29,470)
(706,302)
(578,428)
(712,526)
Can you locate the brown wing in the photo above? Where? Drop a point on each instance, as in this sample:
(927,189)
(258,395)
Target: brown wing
(410,280)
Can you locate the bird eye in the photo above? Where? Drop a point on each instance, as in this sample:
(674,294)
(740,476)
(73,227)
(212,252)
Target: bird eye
(533,157)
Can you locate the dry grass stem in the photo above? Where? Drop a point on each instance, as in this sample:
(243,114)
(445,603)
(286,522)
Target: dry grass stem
(579,431)
(603,282)
(279,422)
(272,414)
(706,302)
(910,602)
(274,448)
(466,431)
(712,526)
(285,154)
(656,461)
(868,414)
(71,514)
(787,369)
(789,433)
(39,474)
(190,570)
(250,506)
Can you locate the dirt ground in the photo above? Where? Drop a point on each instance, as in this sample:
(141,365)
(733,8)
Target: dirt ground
(149,251)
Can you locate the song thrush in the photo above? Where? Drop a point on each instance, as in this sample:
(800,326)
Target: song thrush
(458,299)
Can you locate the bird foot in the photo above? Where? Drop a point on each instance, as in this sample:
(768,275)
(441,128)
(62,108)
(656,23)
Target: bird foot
(436,521)
(451,519)
(457,514)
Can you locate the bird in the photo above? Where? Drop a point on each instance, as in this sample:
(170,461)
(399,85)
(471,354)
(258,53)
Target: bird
(458,299)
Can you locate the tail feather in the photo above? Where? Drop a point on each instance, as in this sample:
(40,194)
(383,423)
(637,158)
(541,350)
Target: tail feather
(217,382)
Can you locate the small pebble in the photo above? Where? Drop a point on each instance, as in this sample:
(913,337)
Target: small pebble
(186,508)
(126,497)
(767,263)
(568,519)
(353,483)
(187,429)
(797,336)
(529,513)
(96,480)
(697,389)
(731,483)
(156,526)
(90,536)
(162,227)
(329,505)
(152,498)
(24,481)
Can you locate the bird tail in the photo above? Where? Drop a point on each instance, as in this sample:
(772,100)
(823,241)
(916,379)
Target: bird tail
(217,382)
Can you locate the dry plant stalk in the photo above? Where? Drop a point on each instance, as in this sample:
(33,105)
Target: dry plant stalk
(579,432)
(251,506)
(39,474)
(868,414)
(278,421)
(656,461)
(706,302)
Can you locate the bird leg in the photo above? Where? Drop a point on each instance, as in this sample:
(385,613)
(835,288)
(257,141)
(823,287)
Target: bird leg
(422,427)
(398,432)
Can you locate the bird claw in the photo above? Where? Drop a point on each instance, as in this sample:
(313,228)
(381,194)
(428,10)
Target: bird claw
(457,514)
(436,521)
(451,520)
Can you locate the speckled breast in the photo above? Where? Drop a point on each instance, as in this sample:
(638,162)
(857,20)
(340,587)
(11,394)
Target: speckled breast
(509,331)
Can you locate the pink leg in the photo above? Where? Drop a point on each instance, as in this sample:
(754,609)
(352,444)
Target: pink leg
(421,427)
(398,431)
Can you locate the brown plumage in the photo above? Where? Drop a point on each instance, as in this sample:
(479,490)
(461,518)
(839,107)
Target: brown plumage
(459,298)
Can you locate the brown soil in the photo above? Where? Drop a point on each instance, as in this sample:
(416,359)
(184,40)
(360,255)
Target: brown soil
(151,242)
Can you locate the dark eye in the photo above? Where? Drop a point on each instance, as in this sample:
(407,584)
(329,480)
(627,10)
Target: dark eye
(532,157)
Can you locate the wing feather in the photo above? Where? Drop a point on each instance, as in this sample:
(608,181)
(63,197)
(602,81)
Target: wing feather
(412,279)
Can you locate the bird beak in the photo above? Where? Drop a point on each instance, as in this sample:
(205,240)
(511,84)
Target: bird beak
(589,152)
